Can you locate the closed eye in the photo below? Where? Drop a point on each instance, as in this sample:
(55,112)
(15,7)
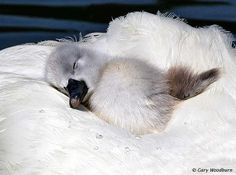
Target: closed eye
(74,65)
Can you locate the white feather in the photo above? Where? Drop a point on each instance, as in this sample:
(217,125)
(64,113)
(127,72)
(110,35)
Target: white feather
(43,135)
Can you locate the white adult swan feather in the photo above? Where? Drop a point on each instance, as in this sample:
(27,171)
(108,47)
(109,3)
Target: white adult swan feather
(41,134)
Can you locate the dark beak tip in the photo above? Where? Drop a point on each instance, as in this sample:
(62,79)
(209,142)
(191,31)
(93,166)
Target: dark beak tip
(77,90)
(74,103)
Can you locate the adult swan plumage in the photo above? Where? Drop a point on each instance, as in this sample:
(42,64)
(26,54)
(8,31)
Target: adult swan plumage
(41,134)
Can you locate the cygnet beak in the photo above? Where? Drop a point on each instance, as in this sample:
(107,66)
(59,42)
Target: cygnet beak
(77,91)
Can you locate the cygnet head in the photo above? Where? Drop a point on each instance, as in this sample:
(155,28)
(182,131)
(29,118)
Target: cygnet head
(74,70)
(86,73)
(59,66)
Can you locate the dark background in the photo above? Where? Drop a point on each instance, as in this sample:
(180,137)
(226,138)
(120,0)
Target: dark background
(23,21)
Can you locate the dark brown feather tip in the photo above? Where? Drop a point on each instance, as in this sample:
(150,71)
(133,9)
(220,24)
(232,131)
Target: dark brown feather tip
(184,83)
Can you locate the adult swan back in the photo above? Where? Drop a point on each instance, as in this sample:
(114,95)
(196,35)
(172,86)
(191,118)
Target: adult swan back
(41,134)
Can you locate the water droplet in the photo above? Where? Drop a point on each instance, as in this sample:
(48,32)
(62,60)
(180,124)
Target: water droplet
(96,148)
(127,149)
(99,136)
(41,111)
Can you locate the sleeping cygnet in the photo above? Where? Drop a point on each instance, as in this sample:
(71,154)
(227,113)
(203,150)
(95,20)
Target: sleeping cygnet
(132,94)
(125,92)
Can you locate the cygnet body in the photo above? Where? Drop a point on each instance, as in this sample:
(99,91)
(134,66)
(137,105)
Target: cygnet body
(132,95)
(127,92)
